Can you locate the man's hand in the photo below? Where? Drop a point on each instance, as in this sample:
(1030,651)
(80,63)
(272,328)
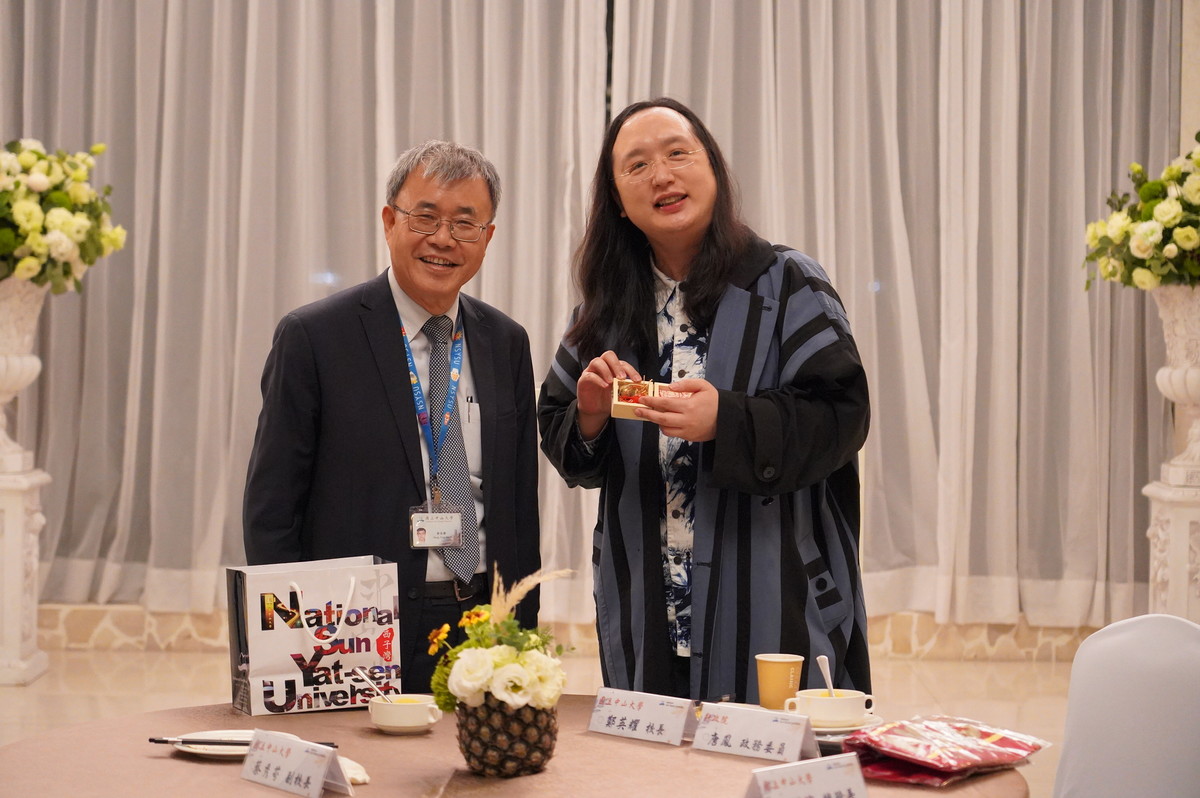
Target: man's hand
(692,416)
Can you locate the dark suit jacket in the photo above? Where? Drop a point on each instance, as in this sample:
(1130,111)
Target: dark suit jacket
(336,463)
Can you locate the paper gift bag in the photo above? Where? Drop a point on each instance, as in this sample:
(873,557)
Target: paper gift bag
(296,630)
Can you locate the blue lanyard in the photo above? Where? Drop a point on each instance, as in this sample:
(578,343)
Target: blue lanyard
(456,358)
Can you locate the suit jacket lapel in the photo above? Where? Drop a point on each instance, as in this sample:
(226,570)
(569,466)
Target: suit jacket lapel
(382,326)
(481,346)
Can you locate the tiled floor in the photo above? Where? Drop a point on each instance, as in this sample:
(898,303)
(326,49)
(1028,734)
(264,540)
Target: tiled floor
(1030,697)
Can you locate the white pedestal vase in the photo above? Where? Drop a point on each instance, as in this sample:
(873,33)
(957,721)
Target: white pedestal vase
(1175,497)
(21,518)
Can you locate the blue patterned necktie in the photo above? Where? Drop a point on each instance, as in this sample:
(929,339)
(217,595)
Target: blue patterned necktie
(453,477)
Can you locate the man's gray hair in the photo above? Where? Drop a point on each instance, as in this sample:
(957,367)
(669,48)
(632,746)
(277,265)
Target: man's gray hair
(445,162)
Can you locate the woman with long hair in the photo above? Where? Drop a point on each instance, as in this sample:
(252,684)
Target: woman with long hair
(728,520)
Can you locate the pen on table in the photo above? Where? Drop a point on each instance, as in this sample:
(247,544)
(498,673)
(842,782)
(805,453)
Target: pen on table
(200,741)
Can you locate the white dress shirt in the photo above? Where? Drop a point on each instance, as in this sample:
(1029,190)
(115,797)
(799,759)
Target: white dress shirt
(414,317)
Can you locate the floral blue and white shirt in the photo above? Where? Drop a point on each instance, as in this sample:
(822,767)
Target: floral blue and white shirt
(682,349)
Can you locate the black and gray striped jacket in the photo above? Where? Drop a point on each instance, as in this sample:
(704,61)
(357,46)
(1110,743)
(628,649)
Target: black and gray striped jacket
(777,509)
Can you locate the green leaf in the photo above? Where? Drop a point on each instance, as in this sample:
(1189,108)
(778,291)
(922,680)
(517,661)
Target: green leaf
(90,249)
(1116,202)
(8,240)
(59,199)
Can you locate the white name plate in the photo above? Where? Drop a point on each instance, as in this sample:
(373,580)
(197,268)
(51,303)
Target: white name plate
(293,765)
(753,731)
(642,716)
(812,778)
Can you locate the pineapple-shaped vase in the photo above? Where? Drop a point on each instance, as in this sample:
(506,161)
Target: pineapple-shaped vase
(497,740)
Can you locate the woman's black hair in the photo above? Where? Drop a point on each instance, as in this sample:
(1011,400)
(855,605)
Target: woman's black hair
(612,263)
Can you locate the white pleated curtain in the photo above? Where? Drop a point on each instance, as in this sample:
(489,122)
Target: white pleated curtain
(248,148)
(940,158)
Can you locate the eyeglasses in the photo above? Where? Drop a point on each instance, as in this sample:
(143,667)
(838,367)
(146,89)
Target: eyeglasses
(642,171)
(427,224)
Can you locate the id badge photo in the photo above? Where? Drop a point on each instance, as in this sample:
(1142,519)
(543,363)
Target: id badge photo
(435,526)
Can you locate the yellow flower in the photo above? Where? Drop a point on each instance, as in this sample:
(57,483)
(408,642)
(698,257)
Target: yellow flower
(98,149)
(27,159)
(1109,269)
(1186,237)
(472,617)
(1117,226)
(55,173)
(28,215)
(437,637)
(1191,189)
(59,219)
(37,244)
(1145,279)
(112,238)
(80,193)
(1169,212)
(27,268)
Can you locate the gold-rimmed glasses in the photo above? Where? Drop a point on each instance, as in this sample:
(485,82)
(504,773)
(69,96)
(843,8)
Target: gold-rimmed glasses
(427,224)
(643,170)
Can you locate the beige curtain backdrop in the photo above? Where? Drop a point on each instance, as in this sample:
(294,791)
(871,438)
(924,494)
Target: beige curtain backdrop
(940,158)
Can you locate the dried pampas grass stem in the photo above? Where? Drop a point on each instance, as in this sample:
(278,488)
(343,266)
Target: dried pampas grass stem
(503,601)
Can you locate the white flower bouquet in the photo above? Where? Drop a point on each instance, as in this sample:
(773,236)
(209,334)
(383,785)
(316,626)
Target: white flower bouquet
(1153,240)
(54,225)
(498,657)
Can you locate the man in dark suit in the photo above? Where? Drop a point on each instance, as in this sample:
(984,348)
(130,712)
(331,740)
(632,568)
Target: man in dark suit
(341,463)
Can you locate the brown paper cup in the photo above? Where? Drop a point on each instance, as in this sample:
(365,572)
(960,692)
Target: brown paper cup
(778,678)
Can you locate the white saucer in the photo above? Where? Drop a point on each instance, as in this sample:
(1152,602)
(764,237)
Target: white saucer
(866,722)
(218,751)
(404,729)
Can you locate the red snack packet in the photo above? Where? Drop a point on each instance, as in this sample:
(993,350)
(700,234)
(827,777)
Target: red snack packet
(938,749)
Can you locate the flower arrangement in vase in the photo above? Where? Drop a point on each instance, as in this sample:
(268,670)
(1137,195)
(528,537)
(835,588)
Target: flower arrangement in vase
(54,225)
(1154,239)
(502,682)
(1153,243)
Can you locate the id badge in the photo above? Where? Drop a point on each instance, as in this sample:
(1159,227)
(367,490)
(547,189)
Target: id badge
(435,527)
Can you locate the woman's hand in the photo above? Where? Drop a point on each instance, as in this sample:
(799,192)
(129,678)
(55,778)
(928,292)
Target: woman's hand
(691,416)
(593,391)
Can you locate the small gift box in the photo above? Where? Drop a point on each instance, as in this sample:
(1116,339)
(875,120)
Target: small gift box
(627,395)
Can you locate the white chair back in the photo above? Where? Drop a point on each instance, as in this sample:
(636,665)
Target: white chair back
(1133,712)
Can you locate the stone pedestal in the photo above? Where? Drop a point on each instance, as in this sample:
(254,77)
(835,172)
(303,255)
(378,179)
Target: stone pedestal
(21,522)
(1175,498)
(1175,547)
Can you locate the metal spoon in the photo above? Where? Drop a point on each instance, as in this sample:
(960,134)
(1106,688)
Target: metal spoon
(362,673)
(823,662)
